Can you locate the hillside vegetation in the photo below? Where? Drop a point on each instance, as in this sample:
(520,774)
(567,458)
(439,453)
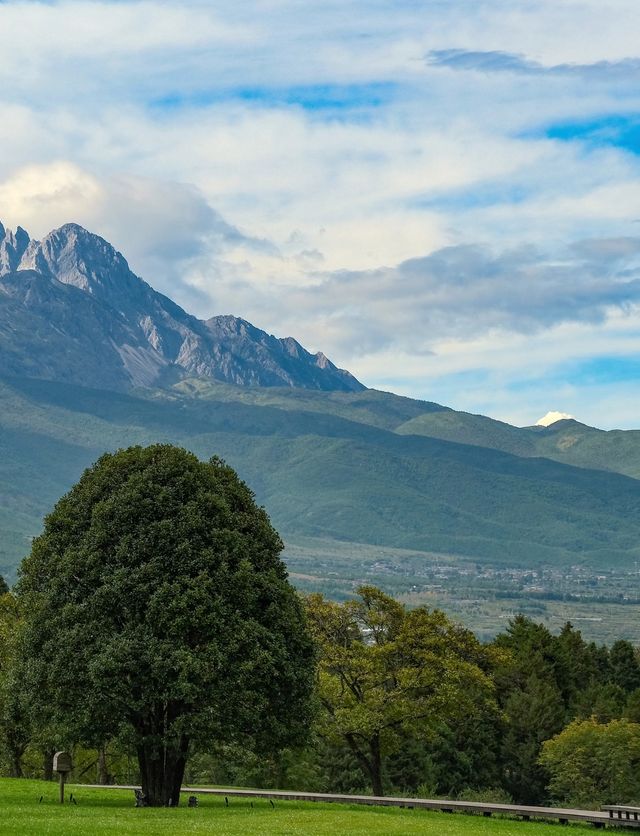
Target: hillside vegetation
(333,465)
(565,441)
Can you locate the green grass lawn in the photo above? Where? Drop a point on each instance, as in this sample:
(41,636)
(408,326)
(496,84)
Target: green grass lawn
(112,811)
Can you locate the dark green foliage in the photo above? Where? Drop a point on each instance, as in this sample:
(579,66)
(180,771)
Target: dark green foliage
(533,714)
(158,610)
(548,681)
(624,667)
(535,685)
(412,766)
(632,708)
(608,702)
(577,666)
(320,767)
(15,719)
(455,757)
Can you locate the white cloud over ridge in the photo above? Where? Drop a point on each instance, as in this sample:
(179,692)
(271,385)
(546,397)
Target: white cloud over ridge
(379,179)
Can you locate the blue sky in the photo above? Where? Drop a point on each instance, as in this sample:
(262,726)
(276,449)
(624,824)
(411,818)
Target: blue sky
(444,197)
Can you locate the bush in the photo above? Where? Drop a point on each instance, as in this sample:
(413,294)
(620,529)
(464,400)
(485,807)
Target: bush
(591,764)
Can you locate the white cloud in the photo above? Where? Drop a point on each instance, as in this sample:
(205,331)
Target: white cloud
(187,134)
(163,228)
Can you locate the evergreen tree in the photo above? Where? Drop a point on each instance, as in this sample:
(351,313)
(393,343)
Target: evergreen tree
(533,714)
(625,670)
(157,609)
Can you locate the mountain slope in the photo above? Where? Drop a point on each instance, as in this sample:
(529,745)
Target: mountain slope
(52,330)
(565,441)
(578,444)
(323,475)
(143,337)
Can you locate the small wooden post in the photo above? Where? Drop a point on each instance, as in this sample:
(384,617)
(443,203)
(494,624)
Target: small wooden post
(62,765)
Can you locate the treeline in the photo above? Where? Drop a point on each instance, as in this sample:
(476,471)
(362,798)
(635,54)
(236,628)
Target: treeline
(406,702)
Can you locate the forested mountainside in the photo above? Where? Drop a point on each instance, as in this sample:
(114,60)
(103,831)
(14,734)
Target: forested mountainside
(329,465)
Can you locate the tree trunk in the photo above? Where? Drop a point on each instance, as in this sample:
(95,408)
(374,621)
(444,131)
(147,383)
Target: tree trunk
(15,768)
(161,773)
(15,746)
(375,766)
(371,765)
(47,764)
(103,773)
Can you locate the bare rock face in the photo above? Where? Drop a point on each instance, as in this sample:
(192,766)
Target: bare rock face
(12,248)
(252,356)
(72,310)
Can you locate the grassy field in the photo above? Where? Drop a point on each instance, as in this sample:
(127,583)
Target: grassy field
(112,811)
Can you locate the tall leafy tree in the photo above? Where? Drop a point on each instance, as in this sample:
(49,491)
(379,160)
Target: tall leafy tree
(15,726)
(159,611)
(386,672)
(592,764)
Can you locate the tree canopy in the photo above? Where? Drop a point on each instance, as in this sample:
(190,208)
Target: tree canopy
(158,610)
(591,764)
(385,671)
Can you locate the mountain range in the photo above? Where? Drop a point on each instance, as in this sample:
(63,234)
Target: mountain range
(72,310)
(92,359)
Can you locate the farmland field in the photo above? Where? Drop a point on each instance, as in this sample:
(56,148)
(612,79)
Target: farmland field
(603,604)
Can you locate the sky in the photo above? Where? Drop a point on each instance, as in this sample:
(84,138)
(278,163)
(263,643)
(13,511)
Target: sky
(442,196)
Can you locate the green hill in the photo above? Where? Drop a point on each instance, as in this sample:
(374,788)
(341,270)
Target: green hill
(565,441)
(575,443)
(338,466)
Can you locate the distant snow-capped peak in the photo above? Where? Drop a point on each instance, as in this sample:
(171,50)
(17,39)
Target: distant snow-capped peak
(552,417)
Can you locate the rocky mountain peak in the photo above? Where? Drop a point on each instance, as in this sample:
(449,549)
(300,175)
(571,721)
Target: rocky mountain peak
(75,256)
(12,248)
(144,337)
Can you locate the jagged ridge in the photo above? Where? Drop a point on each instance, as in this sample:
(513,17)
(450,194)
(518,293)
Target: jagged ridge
(72,310)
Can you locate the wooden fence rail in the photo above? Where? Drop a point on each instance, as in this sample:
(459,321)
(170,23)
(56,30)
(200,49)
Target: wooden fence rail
(599,819)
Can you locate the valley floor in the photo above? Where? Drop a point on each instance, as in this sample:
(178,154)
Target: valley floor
(604,604)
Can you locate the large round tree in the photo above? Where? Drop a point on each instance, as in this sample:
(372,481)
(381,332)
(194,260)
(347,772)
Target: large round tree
(157,608)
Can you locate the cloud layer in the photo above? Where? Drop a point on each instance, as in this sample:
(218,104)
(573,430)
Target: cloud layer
(442,197)
(496,61)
